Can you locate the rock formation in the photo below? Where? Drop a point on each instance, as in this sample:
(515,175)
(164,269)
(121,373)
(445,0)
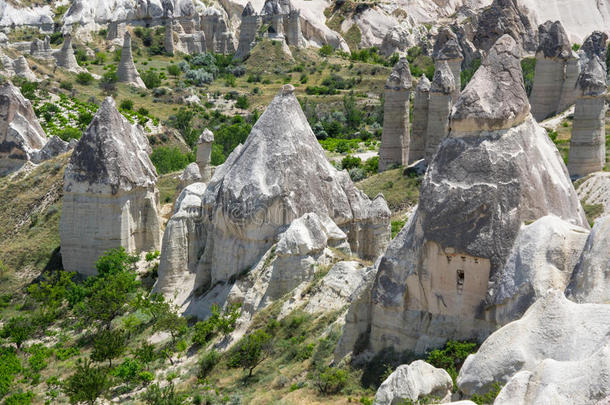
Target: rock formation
(447,49)
(65,56)
(110,194)
(21,67)
(41,48)
(591,277)
(189,176)
(595,190)
(255,196)
(505,17)
(54,147)
(588,143)
(556,72)
(218,37)
(248,31)
(556,338)
(439,107)
(283,22)
(21,136)
(394,149)
(495,171)
(410,382)
(126,70)
(169,42)
(116,30)
(417,145)
(204,154)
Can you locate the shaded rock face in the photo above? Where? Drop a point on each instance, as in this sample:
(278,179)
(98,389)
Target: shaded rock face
(110,194)
(65,56)
(41,48)
(595,44)
(433,281)
(248,30)
(439,107)
(218,37)
(126,70)
(22,69)
(263,187)
(394,149)
(417,145)
(447,49)
(590,281)
(501,18)
(189,176)
(588,142)
(54,147)
(21,136)
(542,258)
(557,70)
(555,338)
(410,382)
(284,22)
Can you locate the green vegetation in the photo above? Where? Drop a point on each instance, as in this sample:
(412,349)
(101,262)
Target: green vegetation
(452,356)
(397,225)
(592,211)
(170,159)
(528,65)
(400,191)
(467,74)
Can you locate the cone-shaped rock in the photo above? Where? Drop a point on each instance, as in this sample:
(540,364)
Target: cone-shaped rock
(417,145)
(65,56)
(394,149)
(277,176)
(434,280)
(110,194)
(21,136)
(439,107)
(126,70)
(447,48)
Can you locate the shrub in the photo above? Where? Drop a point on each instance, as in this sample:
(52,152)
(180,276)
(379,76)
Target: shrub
(84,78)
(251,351)
(199,77)
(167,395)
(87,383)
(170,159)
(325,50)
(372,165)
(128,371)
(66,85)
(528,66)
(151,79)
(331,381)
(357,173)
(126,105)
(174,70)
(452,356)
(10,366)
(108,81)
(20,398)
(397,226)
(18,329)
(242,102)
(489,397)
(350,162)
(150,256)
(207,363)
(466,75)
(107,345)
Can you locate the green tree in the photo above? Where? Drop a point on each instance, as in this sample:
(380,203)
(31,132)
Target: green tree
(151,79)
(251,351)
(174,70)
(108,344)
(84,78)
(18,329)
(331,380)
(87,384)
(108,81)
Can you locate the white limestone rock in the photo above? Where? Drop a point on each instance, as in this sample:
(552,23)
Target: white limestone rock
(218,36)
(126,71)
(439,108)
(21,68)
(189,175)
(21,136)
(110,194)
(542,258)
(410,382)
(417,145)
(41,49)
(54,147)
(555,335)
(595,189)
(65,56)
(591,277)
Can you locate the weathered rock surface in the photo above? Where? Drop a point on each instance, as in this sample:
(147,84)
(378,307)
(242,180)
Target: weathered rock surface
(591,277)
(433,280)
(218,37)
(126,71)
(417,145)
(501,18)
(410,382)
(555,336)
(110,195)
(543,257)
(21,136)
(54,147)
(262,188)
(190,175)
(447,49)
(248,30)
(204,154)
(65,56)
(41,49)
(595,189)
(439,107)
(21,67)
(394,149)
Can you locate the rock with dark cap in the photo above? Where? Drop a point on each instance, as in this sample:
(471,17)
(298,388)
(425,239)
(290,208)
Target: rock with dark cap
(126,71)
(417,145)
(439,107)
(110,194)
(553,40)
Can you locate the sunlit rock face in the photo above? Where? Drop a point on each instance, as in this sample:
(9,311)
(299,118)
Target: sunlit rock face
(110,194)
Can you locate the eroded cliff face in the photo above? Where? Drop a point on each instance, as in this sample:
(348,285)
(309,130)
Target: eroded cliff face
(495,171)
(110,194)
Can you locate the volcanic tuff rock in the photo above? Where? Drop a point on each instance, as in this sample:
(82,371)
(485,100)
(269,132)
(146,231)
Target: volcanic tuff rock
(110,194)
(479,189)
(447,48)
(218,37)
(417,145)
(65,56)
(591,277)
(410,382)
(439,107)
(41,48)
(248,30)
(190,175)
(262,188)
(394,149)
(126,71)
(543,257)
(21,136)
(54,147)
(204,154)
(501,18)
(21,67)
(595,189)
(555,335)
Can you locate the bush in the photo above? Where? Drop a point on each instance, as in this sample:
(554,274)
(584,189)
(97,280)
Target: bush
(128,371)
(397,227)
(207,363)
(108,81)
(108,345)
(242,102)
(151,79)
(452,356)
(170,159)
(174,70)
(331,381)
(66,85)
(18,329)
(126,105)
(167,395)
(372,165)
(199,77)
(326,50)
(20,398)
(84,78)
(489,397)
(87,384)
(251,351)
(357,173)
(350,162)
(528,66)
(10,366)
(69,133)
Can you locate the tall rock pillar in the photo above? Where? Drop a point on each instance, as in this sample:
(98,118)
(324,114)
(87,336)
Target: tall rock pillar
(447,49)
(126,70)
(439,108)
(248,30)
(417,145)
(394,149)
(204,154)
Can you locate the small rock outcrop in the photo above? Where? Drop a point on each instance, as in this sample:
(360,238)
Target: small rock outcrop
(417,145)
(248,31)
(410,382)
(505,17)
(41,48)
(126,71)
(555,335)
(588,143)
(21,136)
(169,41)
(556,72)
(439,107)
(394,149)
(65,56)
(495,171)
(447,49)
(54,147)
(595,190)
(256,195)
(218,36)
(189,176)
(21,67)
(204,154)
(590,281)
(110,194)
